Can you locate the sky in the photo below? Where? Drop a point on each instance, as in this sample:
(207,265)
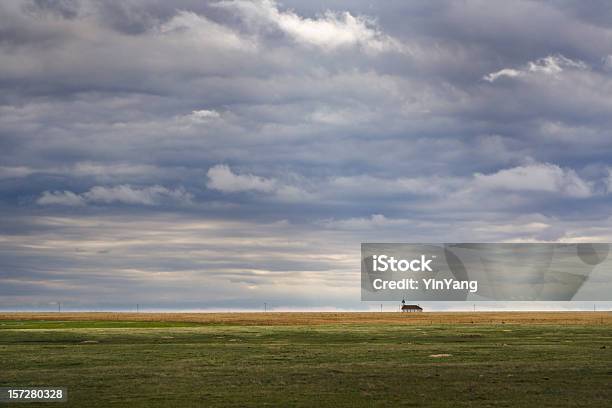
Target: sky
(219,155)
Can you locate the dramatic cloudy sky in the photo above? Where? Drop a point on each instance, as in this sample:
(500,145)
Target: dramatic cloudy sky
(223,154)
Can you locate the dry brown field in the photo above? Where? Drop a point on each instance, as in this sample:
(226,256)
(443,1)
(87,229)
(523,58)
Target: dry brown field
(321,318)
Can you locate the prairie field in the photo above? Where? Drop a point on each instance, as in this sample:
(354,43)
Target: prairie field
(312,359)
(317,318)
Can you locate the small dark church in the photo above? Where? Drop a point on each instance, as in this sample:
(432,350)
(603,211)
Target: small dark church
(410,308)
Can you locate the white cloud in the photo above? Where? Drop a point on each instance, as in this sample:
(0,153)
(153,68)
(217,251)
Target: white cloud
(550,65)
(203,115)
(368,185)
(222,178)
(197,117)
(361,223)
(534,177)
(544,177)
(101,170)
(191,28)
(7,172)
(130,195)
(60,198)
(328,31)
(506,72)
(554,64)
(83,169)
(124,194)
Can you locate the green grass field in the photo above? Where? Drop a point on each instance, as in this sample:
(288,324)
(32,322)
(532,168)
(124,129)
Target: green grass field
(186,364)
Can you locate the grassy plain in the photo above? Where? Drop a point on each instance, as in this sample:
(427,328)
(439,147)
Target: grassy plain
(312,359)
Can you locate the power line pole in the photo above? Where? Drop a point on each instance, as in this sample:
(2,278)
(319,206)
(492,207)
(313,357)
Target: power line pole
(59,307)
(265,307)
(137,307)
(381,307)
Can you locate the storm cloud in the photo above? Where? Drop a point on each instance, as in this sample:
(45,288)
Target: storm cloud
(221,154)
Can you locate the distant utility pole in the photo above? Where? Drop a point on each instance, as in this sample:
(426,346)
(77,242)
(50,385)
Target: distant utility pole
(59,307)
(137,307)
(381,307)
(474,306)
(265,307)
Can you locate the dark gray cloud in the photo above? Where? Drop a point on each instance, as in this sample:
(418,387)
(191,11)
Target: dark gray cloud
(242,150)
